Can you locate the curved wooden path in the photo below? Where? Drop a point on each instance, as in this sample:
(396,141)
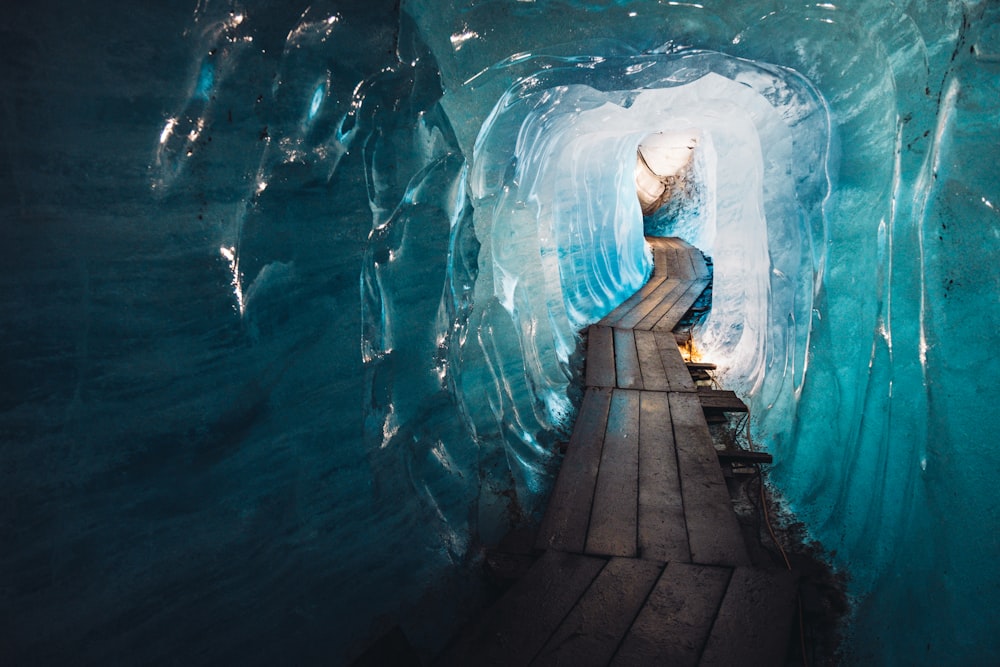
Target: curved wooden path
(643,561)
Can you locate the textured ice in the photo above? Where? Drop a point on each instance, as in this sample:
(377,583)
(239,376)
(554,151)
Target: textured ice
(292,291)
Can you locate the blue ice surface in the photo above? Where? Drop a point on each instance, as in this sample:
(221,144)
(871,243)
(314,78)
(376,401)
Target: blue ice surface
(291,293)
(206,77)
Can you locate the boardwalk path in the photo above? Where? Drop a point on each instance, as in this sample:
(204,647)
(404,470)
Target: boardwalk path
(643,560)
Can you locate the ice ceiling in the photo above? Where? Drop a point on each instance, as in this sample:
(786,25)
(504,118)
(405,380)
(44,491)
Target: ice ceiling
(293,293)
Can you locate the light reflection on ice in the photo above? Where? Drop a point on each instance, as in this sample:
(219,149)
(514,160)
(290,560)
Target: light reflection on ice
(229,253)
(168,129)
(460,38)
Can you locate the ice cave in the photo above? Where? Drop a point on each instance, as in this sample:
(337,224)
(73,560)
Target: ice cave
(292,293)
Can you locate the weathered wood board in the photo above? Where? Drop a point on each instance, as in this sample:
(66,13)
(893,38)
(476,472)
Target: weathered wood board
(568,513)
(613,518)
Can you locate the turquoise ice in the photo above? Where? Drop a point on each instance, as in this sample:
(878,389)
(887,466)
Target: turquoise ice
(291,297)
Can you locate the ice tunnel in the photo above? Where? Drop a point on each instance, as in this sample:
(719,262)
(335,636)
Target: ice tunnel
(292,296)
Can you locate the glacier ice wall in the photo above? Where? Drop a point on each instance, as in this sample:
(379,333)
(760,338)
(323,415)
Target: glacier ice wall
(291,292)
(866,422)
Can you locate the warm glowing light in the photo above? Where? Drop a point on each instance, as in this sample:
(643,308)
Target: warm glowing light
(689,351)
(196,130)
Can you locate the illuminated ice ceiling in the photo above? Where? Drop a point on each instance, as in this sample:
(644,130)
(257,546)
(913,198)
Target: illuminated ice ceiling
(211,426)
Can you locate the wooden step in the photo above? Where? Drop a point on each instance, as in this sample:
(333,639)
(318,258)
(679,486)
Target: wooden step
(700,365)
(743,457)
(720,400)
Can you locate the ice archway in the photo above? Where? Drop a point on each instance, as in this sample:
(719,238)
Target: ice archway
(552,185)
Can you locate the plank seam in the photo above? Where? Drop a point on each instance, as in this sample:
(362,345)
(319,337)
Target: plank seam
(597,476)
(556,626)
(638,479)
(645,601)
(718,608)
(680,485)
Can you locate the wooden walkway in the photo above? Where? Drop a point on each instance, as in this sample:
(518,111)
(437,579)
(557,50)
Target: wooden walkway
(643,561)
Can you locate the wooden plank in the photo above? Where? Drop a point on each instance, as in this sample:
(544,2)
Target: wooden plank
(660,246)
(682,264)
(691,257)
(743,456)
(662,530)
(568,513)
(613,517)
(668,259)
(670,289)
(681,306)
(673,363)
(654,377)
(626,306)
(755,620)
(721,399)
(700,365)
(699,375)
(656,309)
(664,266)
(591,633)
(673,625)
(660,261)
(517,627)
(628,375)
(680,243)
(713,533)
(700,265)
(600,357)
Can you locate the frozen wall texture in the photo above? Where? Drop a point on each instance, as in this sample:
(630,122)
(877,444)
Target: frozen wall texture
(291,293)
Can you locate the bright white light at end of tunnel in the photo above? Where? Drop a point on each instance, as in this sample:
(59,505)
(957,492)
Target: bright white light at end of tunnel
(586,223)
(662,159)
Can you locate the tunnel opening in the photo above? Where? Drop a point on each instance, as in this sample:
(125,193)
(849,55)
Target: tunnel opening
(663,169)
